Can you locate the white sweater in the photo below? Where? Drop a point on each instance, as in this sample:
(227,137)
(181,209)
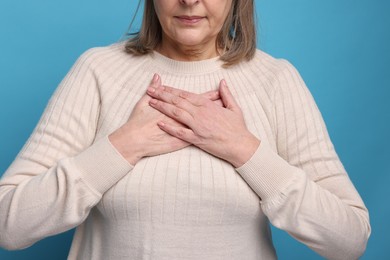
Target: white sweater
(186,204)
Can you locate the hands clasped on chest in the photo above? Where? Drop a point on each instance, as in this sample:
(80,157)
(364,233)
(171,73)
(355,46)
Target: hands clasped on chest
(166,119)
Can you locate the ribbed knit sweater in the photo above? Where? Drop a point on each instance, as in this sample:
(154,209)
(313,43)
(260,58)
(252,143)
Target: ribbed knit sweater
(186,204)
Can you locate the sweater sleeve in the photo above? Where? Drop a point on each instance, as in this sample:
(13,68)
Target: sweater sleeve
(62,171)
(304,188)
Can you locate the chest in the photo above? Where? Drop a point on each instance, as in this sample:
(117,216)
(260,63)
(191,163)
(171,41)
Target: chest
(119,99)
(188,186)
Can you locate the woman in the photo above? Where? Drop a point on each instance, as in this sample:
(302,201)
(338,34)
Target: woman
(193,164)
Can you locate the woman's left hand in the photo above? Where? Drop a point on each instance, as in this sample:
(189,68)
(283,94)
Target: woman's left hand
(217,129)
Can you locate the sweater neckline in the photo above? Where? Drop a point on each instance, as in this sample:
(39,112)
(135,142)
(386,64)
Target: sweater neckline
(186,67)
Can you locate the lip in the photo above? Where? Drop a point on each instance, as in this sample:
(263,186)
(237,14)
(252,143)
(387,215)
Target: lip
(189,20)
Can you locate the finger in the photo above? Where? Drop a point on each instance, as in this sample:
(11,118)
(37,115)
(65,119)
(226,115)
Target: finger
(155,83)
(167,97)
(211,95)
(144,100)
(195,99)
(173,91)
(172,111)
(227,97)
(172,122)
(218,102)
(180,132)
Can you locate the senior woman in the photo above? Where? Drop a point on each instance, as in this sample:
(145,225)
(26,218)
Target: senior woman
(182,143)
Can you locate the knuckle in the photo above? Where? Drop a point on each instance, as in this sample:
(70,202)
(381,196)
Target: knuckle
(184,94)
(200,101)
(177,112)
(167,89)
(181,133)
(157,103)
(156,94)
(159,92)
(176,101)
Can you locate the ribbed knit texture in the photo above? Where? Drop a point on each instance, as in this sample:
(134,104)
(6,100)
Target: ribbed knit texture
(186,204)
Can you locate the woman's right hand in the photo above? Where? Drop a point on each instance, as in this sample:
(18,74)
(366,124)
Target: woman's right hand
(140,136)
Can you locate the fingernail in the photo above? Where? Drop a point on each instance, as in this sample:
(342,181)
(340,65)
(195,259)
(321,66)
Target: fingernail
(155,78)
(224,83)
(151,90)
(153,101)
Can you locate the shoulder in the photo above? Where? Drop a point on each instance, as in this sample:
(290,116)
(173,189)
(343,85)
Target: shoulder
(93,54)
(103,56)
(270,64)
(268,71)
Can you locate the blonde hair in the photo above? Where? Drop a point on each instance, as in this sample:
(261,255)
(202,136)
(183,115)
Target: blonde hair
(237,37)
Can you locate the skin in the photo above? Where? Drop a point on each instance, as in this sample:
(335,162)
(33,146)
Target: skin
(190,27)
(218,130)
(141,136)
(168,119)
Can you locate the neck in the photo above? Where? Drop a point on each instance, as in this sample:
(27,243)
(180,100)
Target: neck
(179,52)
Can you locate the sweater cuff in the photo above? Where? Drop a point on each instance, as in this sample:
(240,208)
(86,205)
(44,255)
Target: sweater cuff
(266,172)
(101,165)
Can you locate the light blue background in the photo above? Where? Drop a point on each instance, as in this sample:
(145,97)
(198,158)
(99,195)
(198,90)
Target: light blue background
(341,48)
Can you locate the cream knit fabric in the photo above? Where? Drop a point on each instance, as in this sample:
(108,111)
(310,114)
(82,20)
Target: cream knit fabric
(186,204)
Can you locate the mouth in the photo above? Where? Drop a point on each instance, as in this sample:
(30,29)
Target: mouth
(189,20)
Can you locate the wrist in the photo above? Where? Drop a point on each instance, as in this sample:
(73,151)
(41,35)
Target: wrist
(245,149)
(126,147)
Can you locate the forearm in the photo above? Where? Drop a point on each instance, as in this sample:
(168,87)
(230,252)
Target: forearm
(34,206)
(328,215)
(321,220)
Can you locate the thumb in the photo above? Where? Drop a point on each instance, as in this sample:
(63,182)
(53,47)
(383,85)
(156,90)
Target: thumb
(227,98)
(155,83)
